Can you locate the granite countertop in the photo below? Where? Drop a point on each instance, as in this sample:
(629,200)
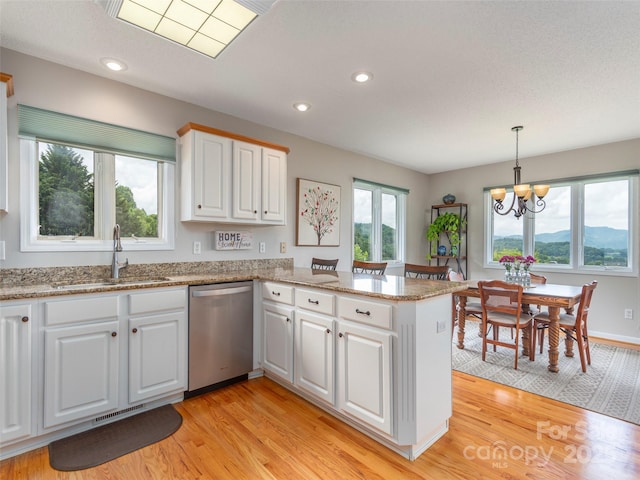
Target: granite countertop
(389,287)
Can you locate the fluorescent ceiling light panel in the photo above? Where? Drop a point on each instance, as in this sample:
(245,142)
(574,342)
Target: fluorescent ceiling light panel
(206,26)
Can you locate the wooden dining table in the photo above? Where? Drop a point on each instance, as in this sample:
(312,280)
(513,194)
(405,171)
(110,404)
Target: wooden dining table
(549,295)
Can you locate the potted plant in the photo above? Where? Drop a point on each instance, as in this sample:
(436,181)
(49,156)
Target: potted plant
(448,223)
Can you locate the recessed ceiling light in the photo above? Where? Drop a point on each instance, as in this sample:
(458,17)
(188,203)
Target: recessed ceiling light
(361,77)
(302,106)
(113,64)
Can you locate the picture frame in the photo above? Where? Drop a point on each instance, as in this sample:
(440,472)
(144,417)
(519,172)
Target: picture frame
(317,214)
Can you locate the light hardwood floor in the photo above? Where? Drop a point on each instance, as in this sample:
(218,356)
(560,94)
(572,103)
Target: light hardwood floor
(259,430)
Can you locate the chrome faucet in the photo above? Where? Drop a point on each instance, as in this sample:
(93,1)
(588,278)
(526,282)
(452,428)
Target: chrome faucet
(117,247)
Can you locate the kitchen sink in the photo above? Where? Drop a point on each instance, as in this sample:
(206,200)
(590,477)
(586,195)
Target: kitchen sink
(109,282)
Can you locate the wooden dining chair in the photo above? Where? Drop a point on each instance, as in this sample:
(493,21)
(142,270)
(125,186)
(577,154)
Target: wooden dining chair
(432,272)
(375,268)
(502,307)
(574,326)
(472,307)
(323,264)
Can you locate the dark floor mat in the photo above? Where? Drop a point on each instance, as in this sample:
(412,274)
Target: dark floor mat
(102,444)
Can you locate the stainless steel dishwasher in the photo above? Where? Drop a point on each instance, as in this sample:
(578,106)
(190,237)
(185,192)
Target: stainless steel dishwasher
(220,335)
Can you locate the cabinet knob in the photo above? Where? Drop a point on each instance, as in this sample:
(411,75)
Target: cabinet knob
(255,211)
(265,212)
(114,334)
(199,206)
(135,330)
(340,335)
(25,319)
(328,330)
(288,319)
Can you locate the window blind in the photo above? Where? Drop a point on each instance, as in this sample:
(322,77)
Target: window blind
(57,127)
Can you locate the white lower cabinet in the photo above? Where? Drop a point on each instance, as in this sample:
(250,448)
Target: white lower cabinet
(81,357)
(382,366)
(277,345)
(315,355)
(157,344)
(106,352)
(16,323)
(81,371)
(364,375)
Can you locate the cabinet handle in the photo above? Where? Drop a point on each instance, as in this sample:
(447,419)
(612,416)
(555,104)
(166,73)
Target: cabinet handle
(315,302)
(340,335)
(113,334)
(25,319)
(135,330)
(199,206)
(328,330)
(362,312)
(277,294)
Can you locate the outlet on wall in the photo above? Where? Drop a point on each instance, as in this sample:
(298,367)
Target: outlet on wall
(283,247)
(263,247)
(197,248)
(628,314)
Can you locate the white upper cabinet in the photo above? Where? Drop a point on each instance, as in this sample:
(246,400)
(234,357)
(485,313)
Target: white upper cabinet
(206,165)
(6,90)
(231,179)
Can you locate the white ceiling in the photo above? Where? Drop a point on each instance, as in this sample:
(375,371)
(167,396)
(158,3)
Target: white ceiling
(450,77)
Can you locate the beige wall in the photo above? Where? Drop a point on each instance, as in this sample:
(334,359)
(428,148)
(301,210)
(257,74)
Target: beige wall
(614,293)
(52,86)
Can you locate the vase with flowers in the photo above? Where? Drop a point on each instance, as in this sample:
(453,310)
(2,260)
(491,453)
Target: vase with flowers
(526,264)
(508,261)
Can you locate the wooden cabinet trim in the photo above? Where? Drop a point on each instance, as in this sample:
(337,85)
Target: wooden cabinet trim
(8,79)
(203,128)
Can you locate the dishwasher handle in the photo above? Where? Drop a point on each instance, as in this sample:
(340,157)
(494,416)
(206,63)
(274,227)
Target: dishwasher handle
(221,291)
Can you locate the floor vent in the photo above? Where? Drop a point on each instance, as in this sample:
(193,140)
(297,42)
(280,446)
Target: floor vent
(115,414)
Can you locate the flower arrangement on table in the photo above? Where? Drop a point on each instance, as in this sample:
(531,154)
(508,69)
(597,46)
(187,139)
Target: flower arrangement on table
(508,261)
(527,262)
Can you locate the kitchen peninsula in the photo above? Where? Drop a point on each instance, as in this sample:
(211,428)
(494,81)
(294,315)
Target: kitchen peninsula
(374,351)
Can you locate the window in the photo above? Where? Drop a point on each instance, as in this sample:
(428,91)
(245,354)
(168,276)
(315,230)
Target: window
(76,192)
(586,225)
(378,222)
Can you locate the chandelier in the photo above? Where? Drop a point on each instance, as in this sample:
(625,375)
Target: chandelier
(522,193)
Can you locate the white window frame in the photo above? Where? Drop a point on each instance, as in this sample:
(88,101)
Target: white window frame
(375,255)
(576,264)
(105,208)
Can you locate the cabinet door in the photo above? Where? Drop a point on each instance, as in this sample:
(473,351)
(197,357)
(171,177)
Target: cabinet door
(211,176)
(246,181)
(314,355)
(15,372)
(278,340)
(364,369)
(156,355)
(274,186)
(80,371)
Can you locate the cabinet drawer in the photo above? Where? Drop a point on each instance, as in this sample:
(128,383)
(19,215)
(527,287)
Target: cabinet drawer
(365,311)
(277,293)
(160,301)
(315,301)
(90,308)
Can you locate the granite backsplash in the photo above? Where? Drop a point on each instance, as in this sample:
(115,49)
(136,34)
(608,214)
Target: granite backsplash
(41,275)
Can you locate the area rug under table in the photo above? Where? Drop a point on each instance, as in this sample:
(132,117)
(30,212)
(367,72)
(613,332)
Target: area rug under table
(610,386)
(105,443)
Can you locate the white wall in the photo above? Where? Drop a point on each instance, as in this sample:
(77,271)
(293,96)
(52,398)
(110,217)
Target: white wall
(50,86)
(54,87)
(614,293)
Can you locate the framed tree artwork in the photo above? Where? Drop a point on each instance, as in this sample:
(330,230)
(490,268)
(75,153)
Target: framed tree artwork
(317,214)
